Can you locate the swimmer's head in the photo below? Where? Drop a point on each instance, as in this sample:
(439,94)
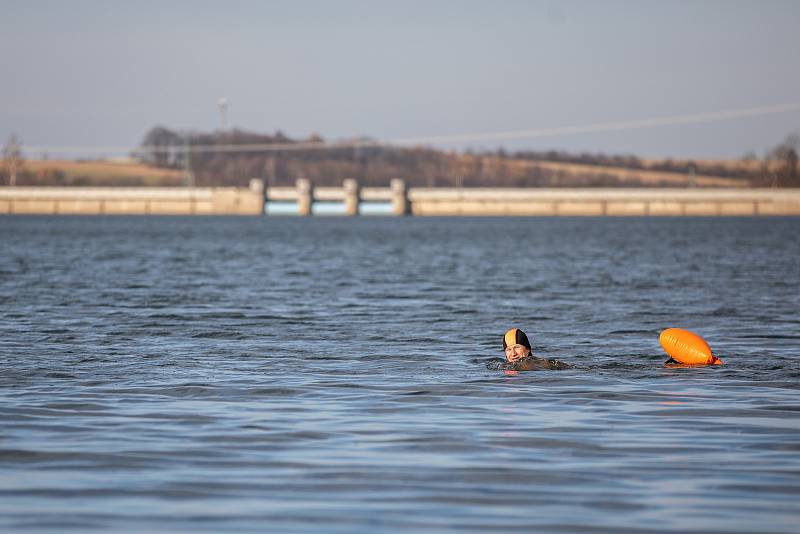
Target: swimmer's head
(516,345)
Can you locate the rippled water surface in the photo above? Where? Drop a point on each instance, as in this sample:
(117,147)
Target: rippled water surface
(291,374)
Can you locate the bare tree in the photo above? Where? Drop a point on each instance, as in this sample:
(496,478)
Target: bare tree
(793,141)
(785,156)
(160,147)
(12,154)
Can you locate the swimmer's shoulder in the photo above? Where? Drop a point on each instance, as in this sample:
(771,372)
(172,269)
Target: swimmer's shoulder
(557,365)
(539,364)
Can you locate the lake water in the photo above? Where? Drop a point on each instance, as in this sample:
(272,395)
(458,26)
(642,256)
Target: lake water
(330,374)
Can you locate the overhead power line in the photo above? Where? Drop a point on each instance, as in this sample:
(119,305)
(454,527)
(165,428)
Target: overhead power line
(695,118)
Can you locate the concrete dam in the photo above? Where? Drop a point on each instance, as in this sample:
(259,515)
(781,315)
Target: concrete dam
(401,200)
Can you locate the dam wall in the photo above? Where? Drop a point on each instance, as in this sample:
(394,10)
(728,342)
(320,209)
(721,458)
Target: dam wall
(403,200)
(604,201)
(134,200)
(548,201)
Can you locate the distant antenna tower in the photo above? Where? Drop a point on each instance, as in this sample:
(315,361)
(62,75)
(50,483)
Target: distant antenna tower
(223,111)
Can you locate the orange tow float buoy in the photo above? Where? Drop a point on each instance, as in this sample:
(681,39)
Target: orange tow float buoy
(687,348)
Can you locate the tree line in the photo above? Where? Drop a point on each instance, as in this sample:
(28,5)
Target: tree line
(374,165)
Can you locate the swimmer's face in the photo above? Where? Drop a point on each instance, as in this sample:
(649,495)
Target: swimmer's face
(516,352)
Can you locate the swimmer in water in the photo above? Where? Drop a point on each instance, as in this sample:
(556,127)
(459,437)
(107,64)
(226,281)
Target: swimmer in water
(519,355)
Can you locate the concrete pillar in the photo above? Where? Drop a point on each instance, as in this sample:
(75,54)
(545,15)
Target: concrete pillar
(260,194)
(257,185)
(305,196)
(351,196)
(399,196)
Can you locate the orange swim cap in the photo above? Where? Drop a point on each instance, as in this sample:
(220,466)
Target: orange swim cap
(515,336)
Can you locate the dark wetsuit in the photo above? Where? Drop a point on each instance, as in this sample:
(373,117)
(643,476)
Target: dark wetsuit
(528,363)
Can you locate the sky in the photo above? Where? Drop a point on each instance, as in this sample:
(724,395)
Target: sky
(86,73)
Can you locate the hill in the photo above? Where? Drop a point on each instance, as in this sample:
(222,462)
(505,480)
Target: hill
(223,157)
(234,157)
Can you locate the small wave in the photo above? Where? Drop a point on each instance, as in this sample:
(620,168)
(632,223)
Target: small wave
(61,375)
(219,335)
(767,336)
(725,312)
(624,332)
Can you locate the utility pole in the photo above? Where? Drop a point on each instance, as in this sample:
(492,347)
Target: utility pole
(269,169)
(187,160)
(223,110)
(13,156)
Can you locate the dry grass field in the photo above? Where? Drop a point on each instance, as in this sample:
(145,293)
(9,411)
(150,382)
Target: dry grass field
(749,165)
(124,173)
(571,174)
(100,173)
(639,176)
